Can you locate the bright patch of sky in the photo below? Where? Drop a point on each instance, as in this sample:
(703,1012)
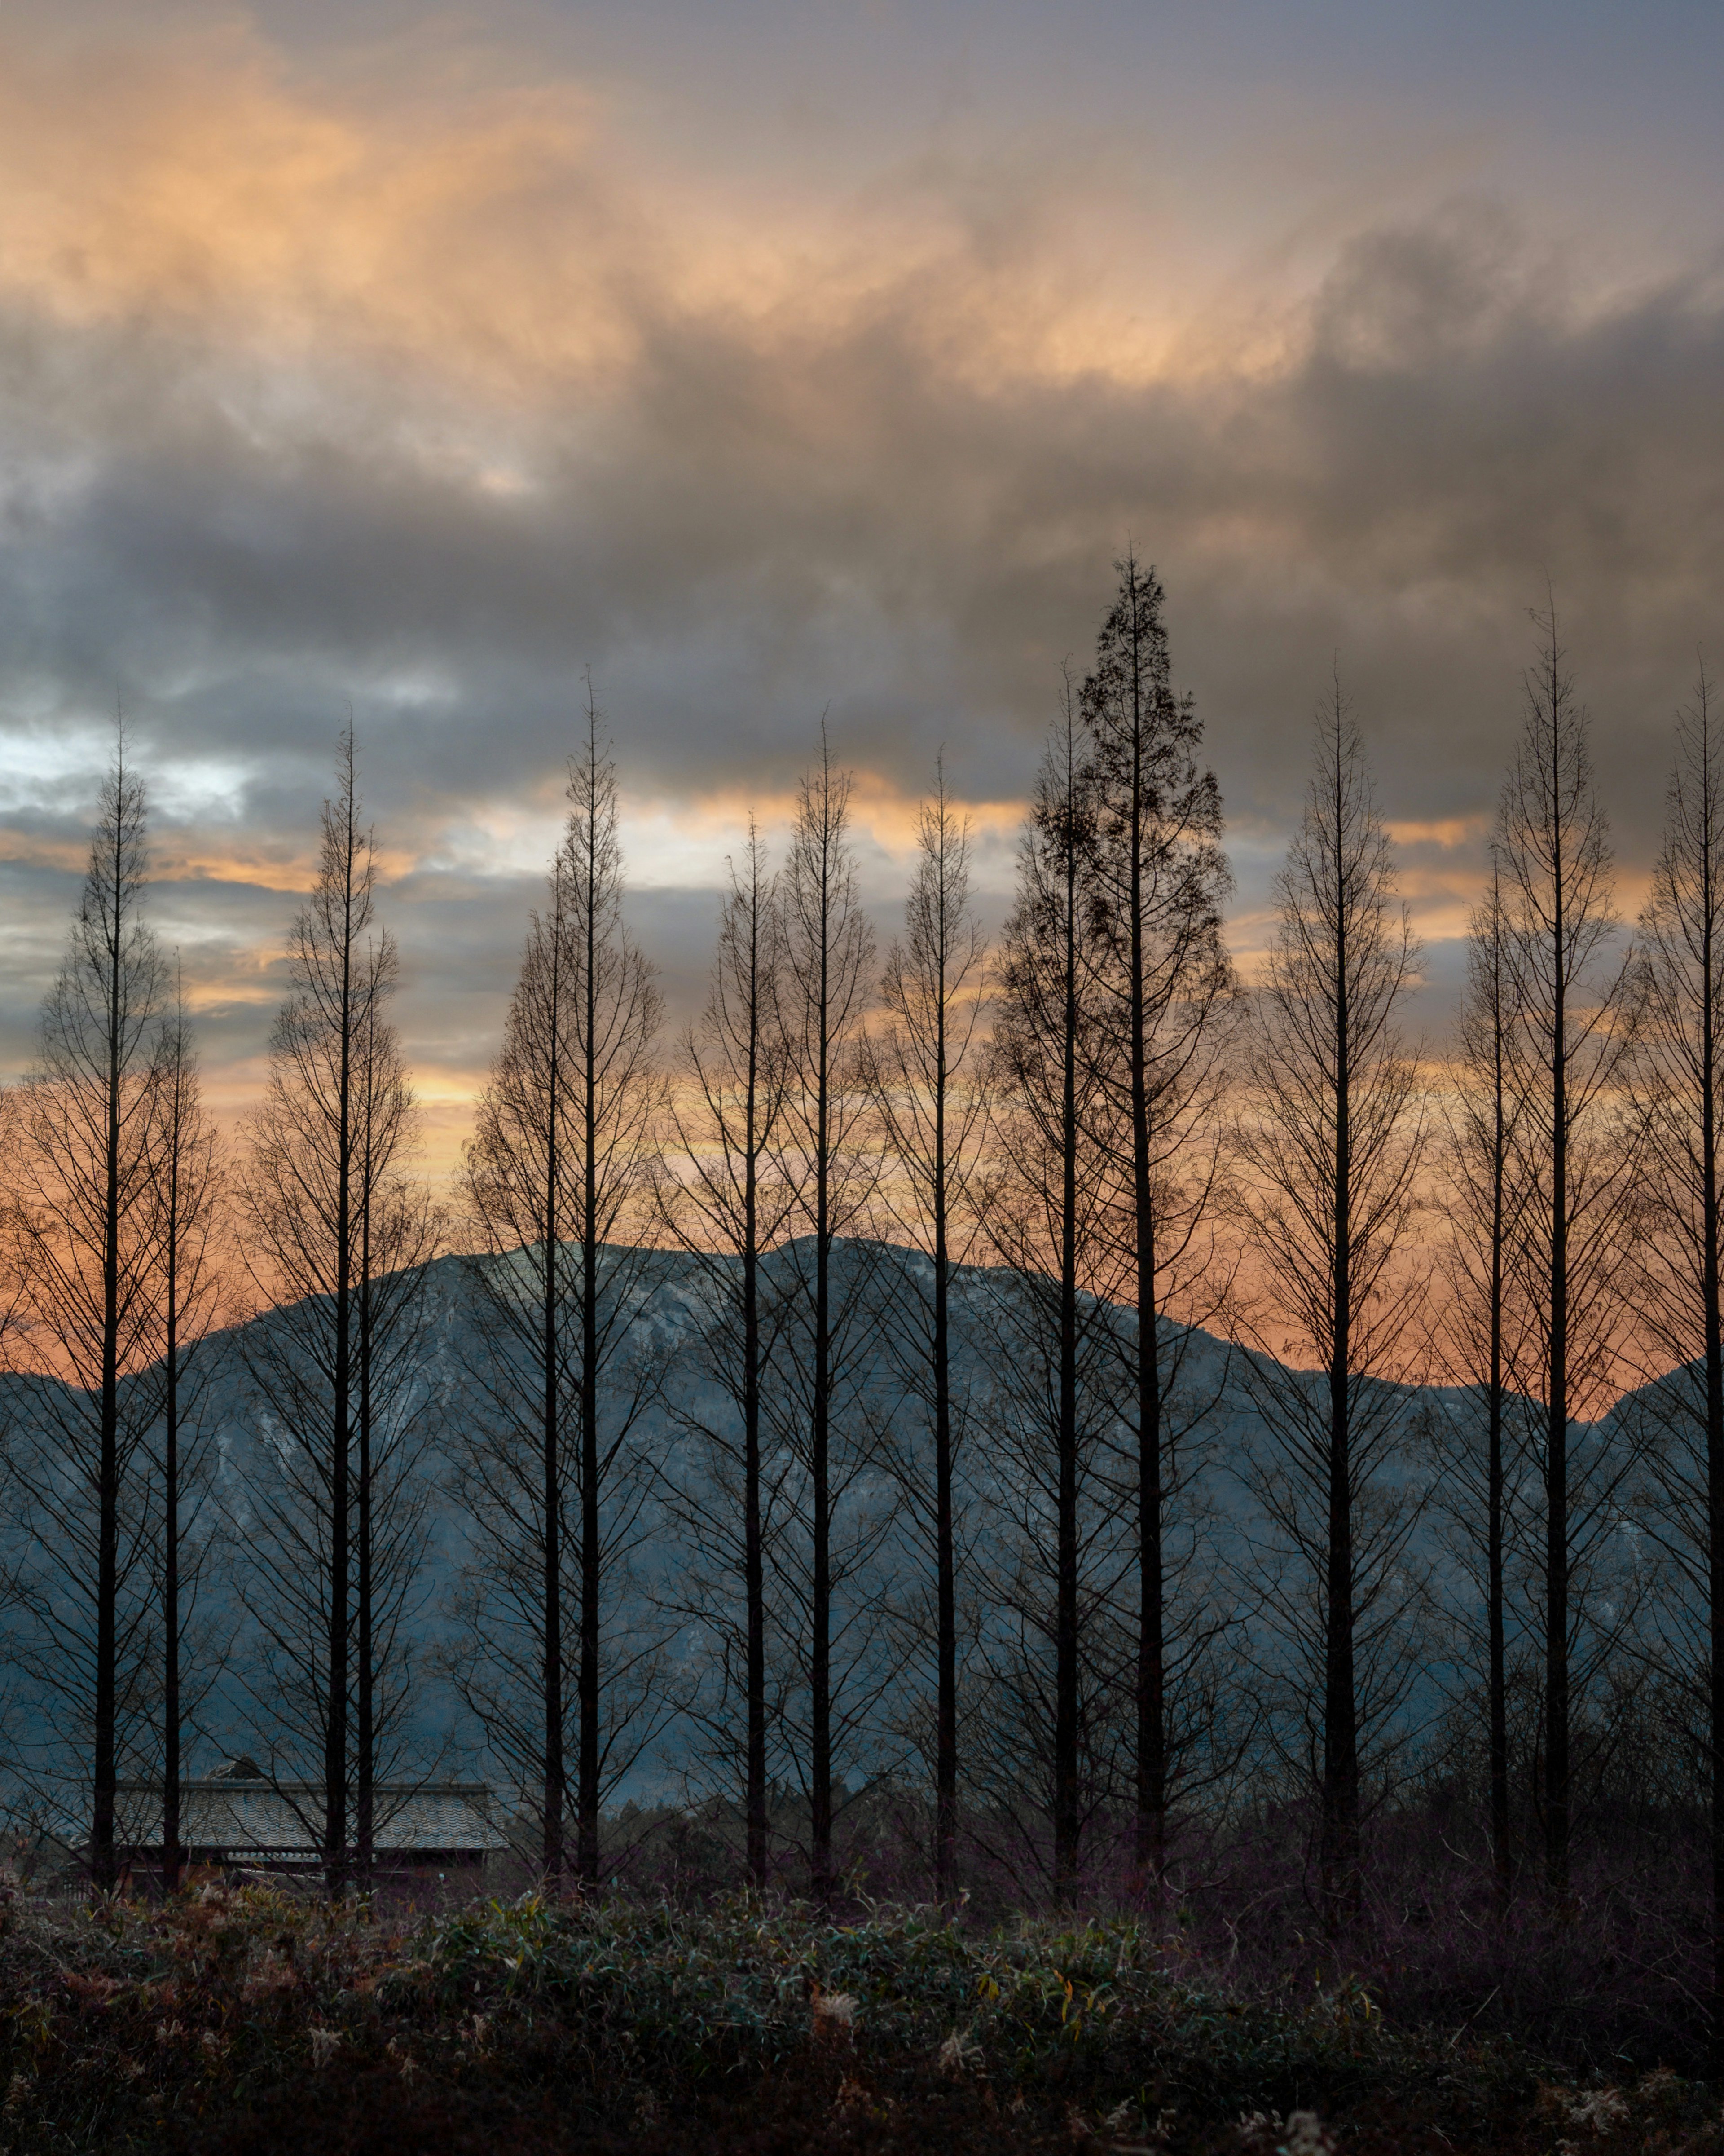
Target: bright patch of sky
(791,357)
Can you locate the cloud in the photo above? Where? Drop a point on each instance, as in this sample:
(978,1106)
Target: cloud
(419,404)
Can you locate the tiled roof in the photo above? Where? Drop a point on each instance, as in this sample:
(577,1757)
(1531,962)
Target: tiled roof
(285,1820)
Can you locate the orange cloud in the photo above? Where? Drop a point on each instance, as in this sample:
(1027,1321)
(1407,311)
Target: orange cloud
(279,868)
(880,810)
(166,177)
(467,236)
(70,855)
(1447,832)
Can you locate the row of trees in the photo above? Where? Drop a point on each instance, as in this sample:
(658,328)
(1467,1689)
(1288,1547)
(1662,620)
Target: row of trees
(1093,1143)
(124,1220)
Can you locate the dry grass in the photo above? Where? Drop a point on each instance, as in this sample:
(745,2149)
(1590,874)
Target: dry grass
(258,2021)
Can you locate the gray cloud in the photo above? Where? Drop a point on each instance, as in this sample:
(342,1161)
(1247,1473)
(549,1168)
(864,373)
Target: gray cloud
(867,506)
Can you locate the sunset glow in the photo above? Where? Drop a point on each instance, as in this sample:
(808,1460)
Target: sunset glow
(369,362)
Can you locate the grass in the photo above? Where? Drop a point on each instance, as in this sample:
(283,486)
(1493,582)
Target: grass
(261,2021)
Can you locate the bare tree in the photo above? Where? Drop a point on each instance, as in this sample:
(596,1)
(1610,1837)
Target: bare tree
(189,1192)
(828,961)
(560,1170)
(1160,881)
(336,1239)
(733,1203)
(400,1232)
(1678,1084)
(1047,1225)
(1485,1199)
(87,1229)
(1331,1139)
(924,1070)
(1573,1000)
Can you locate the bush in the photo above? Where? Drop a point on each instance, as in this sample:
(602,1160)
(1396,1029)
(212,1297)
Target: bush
(263,2020)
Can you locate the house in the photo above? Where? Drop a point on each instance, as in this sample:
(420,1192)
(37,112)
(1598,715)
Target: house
(239,1818)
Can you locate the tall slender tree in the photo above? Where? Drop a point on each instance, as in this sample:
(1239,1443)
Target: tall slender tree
(335,1242)
(1678,1095)
(1332,1140)
(732,1203)
(1160,881)
(86,1220)
(1483,1318)
(924,1071)
(559,1174)
(188,1176)
(1047,1225)
(829,962)
(400,1230)
(1573,991)
(515,1183)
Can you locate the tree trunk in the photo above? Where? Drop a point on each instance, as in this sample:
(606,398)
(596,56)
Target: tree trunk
(102,1857)
(365,1756)
(1713,1322)
(1067,1812)
(171,1855)
(1555,1758)
(820,1611)
(1497,1677)
(754,1592)
(753,1551)
(1341,1742)
(945,1562)
(335,1757)
(551,1593)
(591,1552)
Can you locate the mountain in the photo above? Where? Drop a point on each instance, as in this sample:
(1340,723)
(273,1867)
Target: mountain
(1241,1605)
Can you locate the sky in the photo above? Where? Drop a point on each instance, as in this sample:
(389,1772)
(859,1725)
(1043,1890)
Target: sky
(781,363)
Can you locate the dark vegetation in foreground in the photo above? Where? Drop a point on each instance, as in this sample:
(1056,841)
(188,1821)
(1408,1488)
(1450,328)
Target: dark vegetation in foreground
(259,2019)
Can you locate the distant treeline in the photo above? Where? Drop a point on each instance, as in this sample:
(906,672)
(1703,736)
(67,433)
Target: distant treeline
(1097,1111)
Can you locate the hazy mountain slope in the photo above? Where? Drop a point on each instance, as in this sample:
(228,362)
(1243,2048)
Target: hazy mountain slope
(1216,1404)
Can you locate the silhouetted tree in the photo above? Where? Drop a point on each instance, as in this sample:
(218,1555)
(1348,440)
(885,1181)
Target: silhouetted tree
(732,1203)
(1051,1337)
(560,1174)
(336,1239)
(1484,1201)
(828,960)
(924,1068)
(1572,1002)
(400,1230)
(1679,1094)
(189,1191)
(1160,880)
(1332,1141)
(87,1228)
